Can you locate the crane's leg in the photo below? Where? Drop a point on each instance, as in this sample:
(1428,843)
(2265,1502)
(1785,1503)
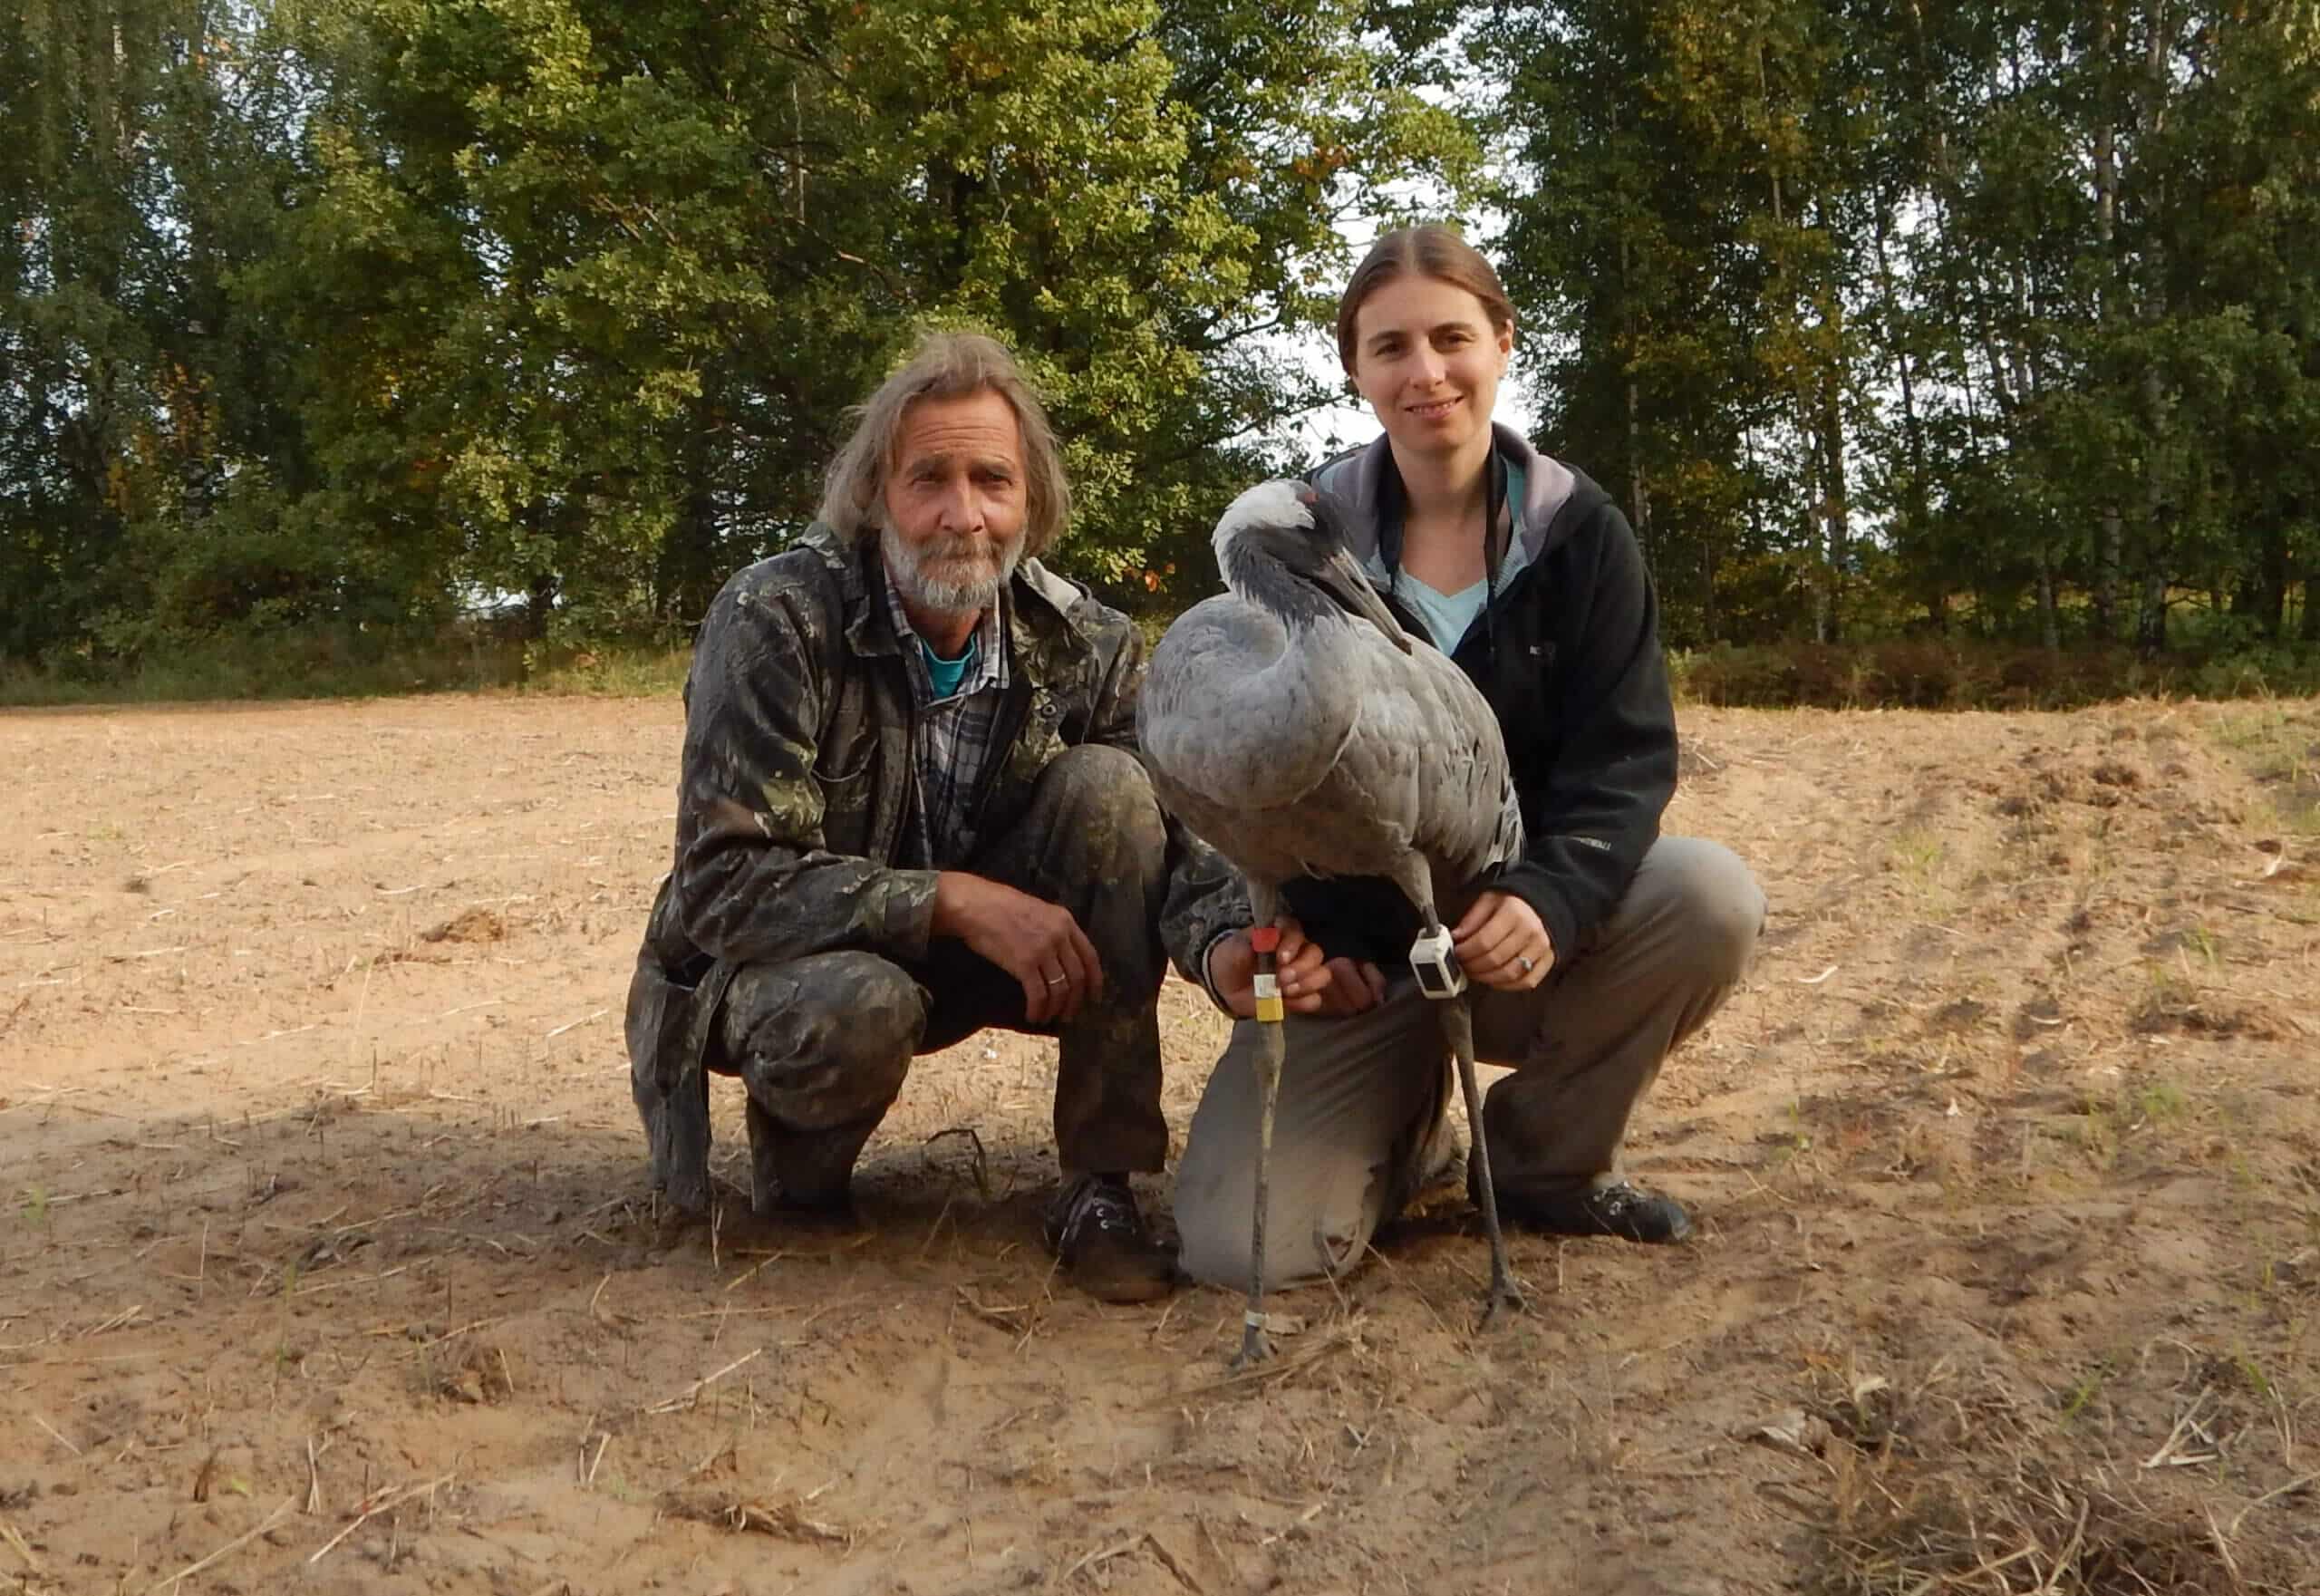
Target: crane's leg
(1271,1052)
(1458,1030)
(1436,964)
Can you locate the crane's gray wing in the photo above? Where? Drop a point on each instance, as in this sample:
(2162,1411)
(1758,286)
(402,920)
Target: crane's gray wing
(1329,751)
(1227,718)
(1428,762)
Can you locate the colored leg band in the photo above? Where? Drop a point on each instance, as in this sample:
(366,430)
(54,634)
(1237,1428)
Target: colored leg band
(1268,981)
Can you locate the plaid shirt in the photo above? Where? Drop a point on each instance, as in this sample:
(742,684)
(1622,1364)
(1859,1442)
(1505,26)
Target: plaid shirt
(954,737)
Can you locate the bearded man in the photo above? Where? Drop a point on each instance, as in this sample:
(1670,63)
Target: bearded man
(910,809)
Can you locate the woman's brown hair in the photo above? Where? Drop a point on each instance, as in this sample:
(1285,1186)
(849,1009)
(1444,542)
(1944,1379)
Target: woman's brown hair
(1429,251)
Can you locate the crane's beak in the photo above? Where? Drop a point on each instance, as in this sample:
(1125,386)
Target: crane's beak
(1342,579)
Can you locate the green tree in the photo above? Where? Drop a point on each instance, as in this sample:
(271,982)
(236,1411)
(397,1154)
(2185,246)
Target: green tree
(1683,211)
(2017,292)
(658,251)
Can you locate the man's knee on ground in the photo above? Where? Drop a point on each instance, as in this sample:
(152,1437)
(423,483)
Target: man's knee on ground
(1721,907)
(822,1040)
(1107,798)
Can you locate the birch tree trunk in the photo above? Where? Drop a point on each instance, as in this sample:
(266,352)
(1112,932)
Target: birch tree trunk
(2107,554)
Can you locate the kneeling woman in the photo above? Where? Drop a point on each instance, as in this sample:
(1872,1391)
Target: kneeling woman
(1597,953)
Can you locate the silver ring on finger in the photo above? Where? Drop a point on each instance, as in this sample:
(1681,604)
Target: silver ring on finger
(1056,981)
(1524,960)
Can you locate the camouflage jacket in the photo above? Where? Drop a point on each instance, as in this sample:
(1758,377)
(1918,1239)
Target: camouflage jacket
(797,792)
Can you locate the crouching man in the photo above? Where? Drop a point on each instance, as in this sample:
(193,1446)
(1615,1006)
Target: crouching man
(910,809)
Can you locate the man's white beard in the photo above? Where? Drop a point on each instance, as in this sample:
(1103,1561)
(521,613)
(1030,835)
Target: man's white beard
(912,571)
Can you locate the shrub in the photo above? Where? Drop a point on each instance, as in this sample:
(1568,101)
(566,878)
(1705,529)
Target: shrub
(1936,674)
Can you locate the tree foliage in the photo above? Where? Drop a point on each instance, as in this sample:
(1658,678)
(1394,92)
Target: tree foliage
(350,314)
(364,307)
(1995,315)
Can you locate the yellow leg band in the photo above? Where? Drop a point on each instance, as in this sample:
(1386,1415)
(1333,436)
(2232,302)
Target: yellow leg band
(1269,1011)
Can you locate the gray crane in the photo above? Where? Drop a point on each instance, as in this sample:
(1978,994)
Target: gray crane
(1294,725)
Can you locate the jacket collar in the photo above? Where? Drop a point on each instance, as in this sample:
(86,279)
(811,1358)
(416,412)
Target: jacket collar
(1366,481)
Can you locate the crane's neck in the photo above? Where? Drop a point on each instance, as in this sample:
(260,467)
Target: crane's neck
(1316,677)
(1261,579)
(1320,639)
(1276,701)
(1299,607)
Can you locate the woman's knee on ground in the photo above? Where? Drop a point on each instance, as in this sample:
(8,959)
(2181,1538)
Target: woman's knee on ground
(1311,1233)
(1214,1248)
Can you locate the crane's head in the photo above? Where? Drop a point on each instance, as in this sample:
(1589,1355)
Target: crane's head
(1279,546)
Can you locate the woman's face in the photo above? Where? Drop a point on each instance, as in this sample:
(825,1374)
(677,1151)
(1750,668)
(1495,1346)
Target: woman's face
(1428,362)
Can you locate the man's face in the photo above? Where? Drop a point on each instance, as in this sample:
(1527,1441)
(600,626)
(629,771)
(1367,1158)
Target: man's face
(956,502)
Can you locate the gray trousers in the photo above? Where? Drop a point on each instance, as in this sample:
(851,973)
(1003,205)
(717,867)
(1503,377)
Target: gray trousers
(824,1042)
(1362,1120)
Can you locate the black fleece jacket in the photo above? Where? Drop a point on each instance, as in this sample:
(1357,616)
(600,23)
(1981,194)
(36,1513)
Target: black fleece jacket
(1568,653)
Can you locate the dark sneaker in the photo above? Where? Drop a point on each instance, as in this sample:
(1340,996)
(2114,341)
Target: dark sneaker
(1627,1212)
(1093,1226)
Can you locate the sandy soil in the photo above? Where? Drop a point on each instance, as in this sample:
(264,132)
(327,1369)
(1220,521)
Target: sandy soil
(326,1262)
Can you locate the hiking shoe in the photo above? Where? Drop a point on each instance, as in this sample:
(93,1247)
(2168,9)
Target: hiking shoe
(1093,1228)
(1627,1212)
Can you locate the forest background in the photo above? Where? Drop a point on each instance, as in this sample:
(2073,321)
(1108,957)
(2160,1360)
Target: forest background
(1940,354)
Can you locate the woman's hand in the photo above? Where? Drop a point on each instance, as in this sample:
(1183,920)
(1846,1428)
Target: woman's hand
(1502,944)
(1310,981)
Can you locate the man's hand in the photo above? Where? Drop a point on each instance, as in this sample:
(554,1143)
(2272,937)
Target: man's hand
(1036,942)
(1501,942)
(1310,981)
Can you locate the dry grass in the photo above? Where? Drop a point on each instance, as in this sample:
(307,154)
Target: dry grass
(1960,1480)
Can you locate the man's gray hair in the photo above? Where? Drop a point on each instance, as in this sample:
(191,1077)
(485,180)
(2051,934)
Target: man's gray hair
(945,365)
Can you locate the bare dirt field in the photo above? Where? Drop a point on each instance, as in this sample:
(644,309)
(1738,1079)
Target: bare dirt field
(326,1260)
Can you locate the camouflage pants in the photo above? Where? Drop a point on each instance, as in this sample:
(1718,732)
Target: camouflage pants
(824,1042)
